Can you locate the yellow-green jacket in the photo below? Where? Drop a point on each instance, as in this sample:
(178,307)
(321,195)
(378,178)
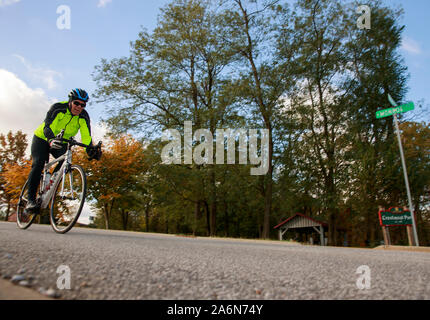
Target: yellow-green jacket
(58,118)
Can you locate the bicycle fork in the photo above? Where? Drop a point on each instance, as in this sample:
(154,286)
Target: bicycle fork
(67,169)
(64,194)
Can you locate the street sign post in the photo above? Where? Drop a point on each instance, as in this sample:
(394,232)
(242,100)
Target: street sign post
(391,111)
(394,111)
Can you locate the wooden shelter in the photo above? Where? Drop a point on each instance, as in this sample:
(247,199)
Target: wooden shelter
(299,221)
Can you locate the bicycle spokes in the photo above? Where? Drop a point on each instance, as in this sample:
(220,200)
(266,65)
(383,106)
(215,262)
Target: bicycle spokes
(24,218)
(68,200)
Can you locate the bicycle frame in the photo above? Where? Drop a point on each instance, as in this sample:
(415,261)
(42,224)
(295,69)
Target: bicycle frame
(46,195)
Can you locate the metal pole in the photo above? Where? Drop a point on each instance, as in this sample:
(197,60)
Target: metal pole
(405,173)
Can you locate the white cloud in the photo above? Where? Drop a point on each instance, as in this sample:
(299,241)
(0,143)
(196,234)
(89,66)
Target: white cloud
(41,75)
(103,3)
(411,46)
(21,108)
(98,130)
(4,3)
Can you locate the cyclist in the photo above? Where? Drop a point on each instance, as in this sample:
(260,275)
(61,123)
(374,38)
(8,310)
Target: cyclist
(70,116)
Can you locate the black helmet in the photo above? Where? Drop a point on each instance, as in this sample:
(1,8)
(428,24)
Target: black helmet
(78,94)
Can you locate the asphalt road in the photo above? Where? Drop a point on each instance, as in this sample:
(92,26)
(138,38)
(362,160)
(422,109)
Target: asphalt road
(128,265)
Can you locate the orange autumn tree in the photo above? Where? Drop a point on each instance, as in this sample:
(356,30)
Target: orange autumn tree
(416,145)
(13,167)
(115,176)
(15,175)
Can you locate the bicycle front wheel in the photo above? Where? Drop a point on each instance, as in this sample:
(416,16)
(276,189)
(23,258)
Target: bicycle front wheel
(24,219)
(68,199)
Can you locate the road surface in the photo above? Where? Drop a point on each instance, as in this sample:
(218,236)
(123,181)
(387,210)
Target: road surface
(100,264)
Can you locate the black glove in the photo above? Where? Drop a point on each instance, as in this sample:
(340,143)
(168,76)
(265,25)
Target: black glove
(55,143)
(94,152)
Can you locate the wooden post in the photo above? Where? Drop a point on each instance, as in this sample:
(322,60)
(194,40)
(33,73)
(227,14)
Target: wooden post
(385,232)
(386,236)
(281,233)
(322,235)
(410,236)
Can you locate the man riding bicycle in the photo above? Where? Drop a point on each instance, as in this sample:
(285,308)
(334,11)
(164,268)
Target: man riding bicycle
(69,116)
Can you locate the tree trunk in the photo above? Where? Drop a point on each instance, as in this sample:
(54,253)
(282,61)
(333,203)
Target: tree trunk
(268,190)
(147,217)
(7,211)
(226,222)
(332,205)
(106,214)
(332,234)
(124,216)
(213,204)
(265,113)
(207,218)
(197,216)
(423,236)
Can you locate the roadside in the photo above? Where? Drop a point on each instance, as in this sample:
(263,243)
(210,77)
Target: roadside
(9,291)
(404,248)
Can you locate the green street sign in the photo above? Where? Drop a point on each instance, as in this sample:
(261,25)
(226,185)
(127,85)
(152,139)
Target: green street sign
(395,217)
(400,109)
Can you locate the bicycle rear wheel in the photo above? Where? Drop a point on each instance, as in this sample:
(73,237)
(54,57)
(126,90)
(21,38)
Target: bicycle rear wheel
(68,199)
(24,219)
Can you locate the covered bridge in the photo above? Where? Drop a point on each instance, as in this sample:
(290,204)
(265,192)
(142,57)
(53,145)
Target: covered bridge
(300,221)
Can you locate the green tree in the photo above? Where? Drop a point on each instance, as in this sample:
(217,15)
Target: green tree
(173,75)
(262,81)
(319,37)
(376,69)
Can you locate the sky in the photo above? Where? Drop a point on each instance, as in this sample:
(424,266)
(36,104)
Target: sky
(40,62)
(42,57)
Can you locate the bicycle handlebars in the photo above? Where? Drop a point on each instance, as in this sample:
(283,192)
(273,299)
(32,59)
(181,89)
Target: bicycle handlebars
(73,142)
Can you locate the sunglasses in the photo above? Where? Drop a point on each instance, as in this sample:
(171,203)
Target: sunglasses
(78,104)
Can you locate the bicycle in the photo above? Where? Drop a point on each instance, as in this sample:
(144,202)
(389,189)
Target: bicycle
(65,192)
